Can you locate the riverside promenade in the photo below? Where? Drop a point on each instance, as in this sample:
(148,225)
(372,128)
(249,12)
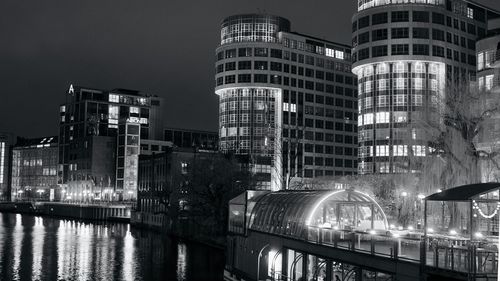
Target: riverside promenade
(82,211)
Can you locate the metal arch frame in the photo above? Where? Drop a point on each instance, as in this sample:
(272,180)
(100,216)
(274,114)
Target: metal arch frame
(321,264)
(294,263)
(274,263)
(258,260)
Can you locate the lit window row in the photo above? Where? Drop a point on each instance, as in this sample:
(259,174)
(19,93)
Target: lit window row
(398,67)
(397,150)
(365,4)
(382,117)
(487,82)
(289,107)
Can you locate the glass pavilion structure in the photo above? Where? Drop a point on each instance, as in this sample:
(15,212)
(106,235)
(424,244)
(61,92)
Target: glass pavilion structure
(461,232)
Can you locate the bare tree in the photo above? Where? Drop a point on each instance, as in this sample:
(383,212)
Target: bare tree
(212,180)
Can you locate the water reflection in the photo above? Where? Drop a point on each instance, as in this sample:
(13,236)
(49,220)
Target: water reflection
(36,248)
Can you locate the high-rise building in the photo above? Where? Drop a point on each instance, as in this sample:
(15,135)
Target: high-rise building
(100,133)
(286,100)
(34,169)
(488,79)
(405,53)
(6,143)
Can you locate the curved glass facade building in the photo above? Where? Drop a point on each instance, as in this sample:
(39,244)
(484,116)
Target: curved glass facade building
(405,54)
(286,100)
(488,80)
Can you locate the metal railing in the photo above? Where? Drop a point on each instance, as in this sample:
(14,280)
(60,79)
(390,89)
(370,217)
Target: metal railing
(450,253)
(380,244)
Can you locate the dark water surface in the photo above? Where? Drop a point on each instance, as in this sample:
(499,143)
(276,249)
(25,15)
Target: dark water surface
(38,248)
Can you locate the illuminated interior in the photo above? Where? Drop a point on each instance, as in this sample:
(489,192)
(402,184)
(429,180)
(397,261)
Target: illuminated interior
(397,98)
(365,4)
(292,212)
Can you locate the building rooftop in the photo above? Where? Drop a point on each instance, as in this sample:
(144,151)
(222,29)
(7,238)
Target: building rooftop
(33,142)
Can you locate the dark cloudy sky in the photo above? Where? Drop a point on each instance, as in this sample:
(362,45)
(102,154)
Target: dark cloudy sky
(163,47)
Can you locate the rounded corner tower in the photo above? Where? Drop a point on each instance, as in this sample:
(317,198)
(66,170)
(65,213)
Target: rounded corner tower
(405,53)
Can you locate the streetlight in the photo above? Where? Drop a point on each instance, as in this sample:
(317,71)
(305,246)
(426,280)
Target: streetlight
(40,191)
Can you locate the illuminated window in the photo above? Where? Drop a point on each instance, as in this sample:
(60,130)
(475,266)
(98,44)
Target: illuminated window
(330,52)
(470,13)
(384,167)
(339,54)
(368,86)
(293,107)
(480,83)
(368,119)
(286,107)
(382,150)
(368,71)
(418,83)
(489,58)
(400,116)
(114,98)
(419,67)
(245,118)
(113,112)
(400,83)
(488,82)
(418,150)
(62,108)
(382,68)
(480,61)
(382,117)
(400,150)
(399,67)
(134,109)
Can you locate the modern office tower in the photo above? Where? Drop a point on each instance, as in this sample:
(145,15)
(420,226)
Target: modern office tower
(100,133)
(6,143)
(488,79)
(34,169)
(191,138)
(405,54)
(286,100)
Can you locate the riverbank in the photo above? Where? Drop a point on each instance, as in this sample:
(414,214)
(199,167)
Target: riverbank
(182,228)
(92,212)
(49,248)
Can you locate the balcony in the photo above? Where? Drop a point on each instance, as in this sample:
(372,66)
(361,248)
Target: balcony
(496,62)
(495,87)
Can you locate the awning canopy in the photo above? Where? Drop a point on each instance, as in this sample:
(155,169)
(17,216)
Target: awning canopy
(464,192)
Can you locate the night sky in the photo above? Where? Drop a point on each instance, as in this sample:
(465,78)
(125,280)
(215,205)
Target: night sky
(163,47)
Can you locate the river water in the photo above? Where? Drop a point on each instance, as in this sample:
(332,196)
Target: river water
(39,248)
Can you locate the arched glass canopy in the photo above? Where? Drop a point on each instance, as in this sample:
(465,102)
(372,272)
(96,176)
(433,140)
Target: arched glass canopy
(291,212)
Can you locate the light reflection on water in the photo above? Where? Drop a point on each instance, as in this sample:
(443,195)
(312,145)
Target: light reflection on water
(36,248)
